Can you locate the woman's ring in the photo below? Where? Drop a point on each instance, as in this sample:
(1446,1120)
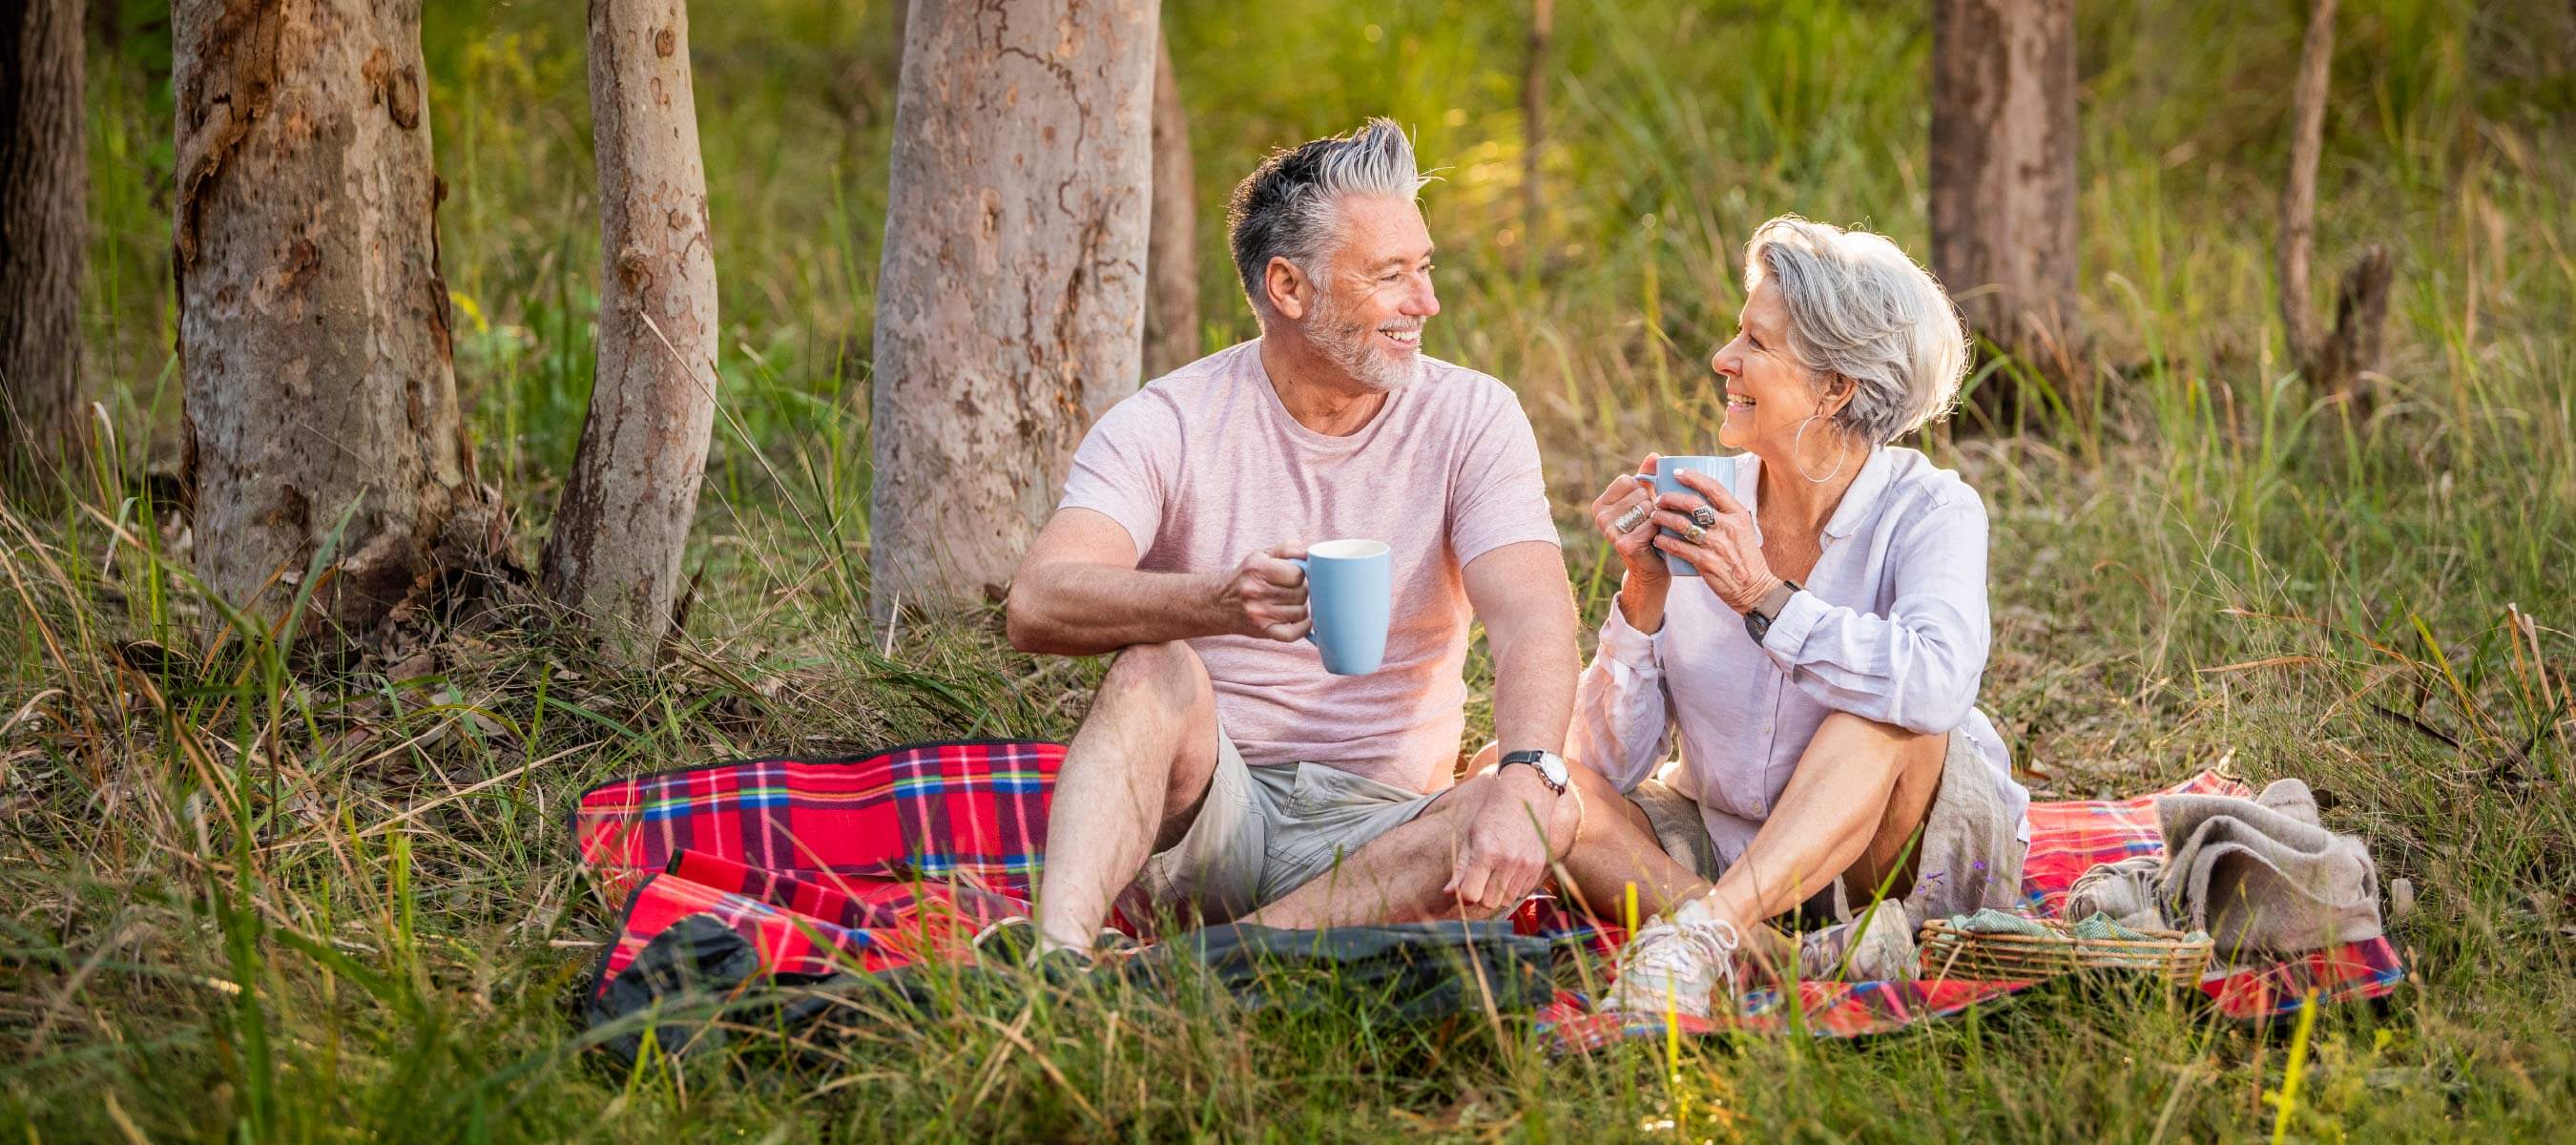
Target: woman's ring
(1704,517)
(1629,520)
(1694,532)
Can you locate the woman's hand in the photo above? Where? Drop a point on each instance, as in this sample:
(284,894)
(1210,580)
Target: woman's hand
(1728,554)
(1641,594)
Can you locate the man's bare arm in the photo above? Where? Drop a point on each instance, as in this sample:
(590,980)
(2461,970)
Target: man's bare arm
(1520,593)
(1079,593)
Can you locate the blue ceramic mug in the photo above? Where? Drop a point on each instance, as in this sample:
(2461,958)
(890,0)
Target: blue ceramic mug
(1668,479)
(1350,588)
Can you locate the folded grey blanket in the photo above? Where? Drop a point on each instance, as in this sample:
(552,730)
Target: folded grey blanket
(2260,875)
(2129,892)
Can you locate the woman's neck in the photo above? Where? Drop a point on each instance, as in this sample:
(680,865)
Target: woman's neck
(1793,497)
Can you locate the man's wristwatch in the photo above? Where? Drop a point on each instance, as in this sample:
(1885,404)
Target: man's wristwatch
(1757,619)
(1551,767)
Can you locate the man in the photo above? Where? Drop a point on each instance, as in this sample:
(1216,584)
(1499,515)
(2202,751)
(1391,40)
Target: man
(1221,772)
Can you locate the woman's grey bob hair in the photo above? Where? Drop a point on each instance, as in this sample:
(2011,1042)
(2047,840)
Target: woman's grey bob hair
(1859,308)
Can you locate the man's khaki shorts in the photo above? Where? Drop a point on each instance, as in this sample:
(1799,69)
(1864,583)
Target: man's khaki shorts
(1969,857)
(1263,832)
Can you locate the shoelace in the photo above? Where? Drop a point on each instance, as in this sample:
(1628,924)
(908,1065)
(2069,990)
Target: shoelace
(1665,947)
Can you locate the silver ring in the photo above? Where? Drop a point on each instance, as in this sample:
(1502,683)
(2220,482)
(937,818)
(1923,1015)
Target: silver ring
(1694,532)
(1629,520)
(1704,517)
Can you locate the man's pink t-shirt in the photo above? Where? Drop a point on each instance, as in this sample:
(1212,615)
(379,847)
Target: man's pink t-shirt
(1204,466)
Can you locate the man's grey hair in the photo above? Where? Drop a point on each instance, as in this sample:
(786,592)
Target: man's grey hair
(1290,206)
(1859,308)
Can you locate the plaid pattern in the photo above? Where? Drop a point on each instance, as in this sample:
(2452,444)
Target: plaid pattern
(974,810)
(2352,972)
(2066,840)
(2070,838)
(861,863)
(872,862)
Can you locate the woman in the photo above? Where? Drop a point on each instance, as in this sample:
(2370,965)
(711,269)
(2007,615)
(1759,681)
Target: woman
(1821,668)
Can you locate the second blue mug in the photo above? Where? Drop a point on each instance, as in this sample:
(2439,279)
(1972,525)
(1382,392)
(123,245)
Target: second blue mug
(1668,471)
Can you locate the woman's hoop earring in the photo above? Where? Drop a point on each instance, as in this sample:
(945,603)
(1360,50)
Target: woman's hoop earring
(1799,440)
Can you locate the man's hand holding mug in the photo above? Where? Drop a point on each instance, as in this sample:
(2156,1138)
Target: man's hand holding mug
(1265,596)
(1336,593)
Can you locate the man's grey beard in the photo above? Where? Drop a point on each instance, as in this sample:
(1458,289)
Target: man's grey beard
(1345,344)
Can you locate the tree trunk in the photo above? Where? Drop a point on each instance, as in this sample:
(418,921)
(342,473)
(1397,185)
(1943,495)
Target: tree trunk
(1542,34)
(313,330)
(2003,175)
(2337,361)
(2299,190)
(44,216)
(1171,242)
(624,519)
(1009,306)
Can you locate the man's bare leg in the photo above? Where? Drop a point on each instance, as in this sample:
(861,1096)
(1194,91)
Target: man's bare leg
(1398,876)
(1130,784)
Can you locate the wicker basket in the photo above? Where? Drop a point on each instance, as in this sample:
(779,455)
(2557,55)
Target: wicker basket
(1949,952)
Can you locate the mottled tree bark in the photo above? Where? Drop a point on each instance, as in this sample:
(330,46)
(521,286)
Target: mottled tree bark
(1171,244)
(313,327)
(2003,173)
(1009,305)
(614,557)
(44,208)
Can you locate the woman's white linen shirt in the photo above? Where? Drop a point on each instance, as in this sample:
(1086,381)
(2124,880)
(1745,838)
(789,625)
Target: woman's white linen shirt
(1890,626)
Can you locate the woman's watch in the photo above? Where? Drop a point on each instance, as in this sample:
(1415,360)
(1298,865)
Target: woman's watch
(1757,619)
(1551,767)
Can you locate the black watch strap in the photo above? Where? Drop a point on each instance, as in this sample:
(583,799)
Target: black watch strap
(1757,623)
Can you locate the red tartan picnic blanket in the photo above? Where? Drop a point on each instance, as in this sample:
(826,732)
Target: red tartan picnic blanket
(870,862)
(860,863)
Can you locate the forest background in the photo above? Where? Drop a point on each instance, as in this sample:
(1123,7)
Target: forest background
(2199,560)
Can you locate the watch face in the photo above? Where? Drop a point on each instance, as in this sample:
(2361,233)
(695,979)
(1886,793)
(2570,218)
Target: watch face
(1549,765)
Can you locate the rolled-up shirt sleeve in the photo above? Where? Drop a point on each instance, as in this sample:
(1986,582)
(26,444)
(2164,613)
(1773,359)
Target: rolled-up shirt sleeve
(1918,665)
(1622,724)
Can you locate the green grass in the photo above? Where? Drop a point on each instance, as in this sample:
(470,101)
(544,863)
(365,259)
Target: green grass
(238,905)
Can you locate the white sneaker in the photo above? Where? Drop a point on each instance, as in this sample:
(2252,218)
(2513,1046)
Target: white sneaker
(1673,964)
(1881,951)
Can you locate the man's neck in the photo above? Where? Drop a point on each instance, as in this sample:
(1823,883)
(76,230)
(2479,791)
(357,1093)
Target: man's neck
(1319,394)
